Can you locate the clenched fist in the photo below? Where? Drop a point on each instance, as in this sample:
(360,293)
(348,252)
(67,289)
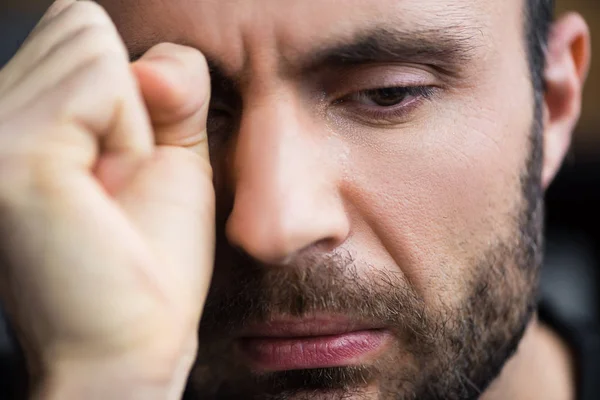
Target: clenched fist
(106,207)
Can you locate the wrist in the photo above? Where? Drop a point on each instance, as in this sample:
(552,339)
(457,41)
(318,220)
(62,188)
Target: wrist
(146,377)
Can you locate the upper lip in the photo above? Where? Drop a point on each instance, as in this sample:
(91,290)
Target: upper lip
(316,325)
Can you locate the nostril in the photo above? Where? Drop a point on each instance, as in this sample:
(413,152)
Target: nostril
(276,236)
(322,246)
(326,244)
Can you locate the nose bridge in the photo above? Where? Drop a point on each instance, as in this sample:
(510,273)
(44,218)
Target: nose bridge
(270,149)
(285,196)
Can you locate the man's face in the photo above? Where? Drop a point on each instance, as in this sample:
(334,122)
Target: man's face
(377,179)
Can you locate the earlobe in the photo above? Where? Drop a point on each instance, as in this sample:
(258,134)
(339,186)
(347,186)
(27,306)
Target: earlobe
(567,65)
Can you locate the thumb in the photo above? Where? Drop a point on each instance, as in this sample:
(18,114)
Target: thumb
(175,83)
(171,198)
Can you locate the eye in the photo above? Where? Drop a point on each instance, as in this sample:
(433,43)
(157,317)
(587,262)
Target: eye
(385,106)
(389,97)
(220,119)
(386,97)
(217,120)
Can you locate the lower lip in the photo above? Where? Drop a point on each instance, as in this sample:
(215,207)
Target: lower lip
(281,354)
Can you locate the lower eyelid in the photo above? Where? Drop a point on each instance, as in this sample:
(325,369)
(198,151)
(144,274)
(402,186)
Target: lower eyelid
(381,116)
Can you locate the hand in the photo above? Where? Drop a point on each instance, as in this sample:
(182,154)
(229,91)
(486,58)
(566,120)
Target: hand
(106,202)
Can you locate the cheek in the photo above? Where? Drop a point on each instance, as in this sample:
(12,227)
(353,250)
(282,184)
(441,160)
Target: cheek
(433,200)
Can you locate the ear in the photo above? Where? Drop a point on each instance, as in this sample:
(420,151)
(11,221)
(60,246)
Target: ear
(567,65)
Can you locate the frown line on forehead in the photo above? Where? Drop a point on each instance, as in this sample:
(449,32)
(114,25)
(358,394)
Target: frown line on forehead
(447,48)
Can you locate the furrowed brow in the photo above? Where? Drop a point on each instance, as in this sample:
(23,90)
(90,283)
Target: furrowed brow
(219,78)
(443,48)
(447,48)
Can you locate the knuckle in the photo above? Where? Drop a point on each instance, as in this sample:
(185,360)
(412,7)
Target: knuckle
(95,40)
(103,78)
(32,167)
(85,30)
(83,15)
(109,66)
(21,175)
(89,13)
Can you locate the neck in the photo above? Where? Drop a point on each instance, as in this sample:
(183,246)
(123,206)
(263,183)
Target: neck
(542,368)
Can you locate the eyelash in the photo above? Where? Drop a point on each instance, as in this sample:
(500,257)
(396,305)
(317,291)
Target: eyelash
(415,94)
(412,97)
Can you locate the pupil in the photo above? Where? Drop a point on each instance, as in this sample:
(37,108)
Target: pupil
(388,96)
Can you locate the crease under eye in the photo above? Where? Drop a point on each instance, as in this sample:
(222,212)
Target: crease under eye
(403,101)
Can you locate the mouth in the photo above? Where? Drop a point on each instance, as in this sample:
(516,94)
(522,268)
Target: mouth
(308,343)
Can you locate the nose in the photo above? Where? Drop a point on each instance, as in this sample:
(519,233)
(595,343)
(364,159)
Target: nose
(286,196)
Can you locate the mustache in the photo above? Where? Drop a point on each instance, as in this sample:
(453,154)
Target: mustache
(244,291)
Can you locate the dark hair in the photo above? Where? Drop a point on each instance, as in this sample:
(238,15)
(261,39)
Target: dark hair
(538,17)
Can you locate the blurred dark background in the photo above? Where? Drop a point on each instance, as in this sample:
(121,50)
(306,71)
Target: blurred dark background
(571,275)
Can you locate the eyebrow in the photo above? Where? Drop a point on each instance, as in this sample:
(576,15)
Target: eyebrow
(444,48)
(448,49)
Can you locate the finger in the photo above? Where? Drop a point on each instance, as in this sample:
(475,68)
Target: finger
(10,73)
(55,9)
(108,103)
(63,21)
(175,84)
(74,53)
(99,102)
(171,200)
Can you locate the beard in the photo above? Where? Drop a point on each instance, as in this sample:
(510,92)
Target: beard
(443,352)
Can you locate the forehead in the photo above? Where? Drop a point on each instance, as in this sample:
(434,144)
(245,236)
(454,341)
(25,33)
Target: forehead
(236,32)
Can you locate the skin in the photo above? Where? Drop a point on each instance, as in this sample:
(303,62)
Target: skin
(307,175)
